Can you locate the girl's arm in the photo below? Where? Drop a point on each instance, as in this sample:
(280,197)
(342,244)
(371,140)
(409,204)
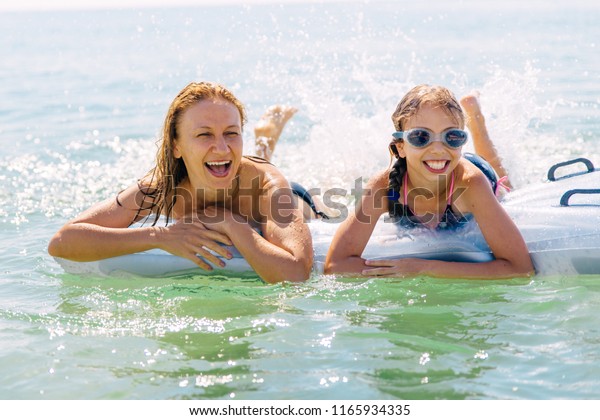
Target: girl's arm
(501,234)
(102,232)
(284,251)
(351,238)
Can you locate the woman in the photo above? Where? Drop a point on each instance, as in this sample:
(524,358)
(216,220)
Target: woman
(213,194)
(432,185)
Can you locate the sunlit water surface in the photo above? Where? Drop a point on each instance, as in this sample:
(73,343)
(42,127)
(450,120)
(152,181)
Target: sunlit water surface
(83,97)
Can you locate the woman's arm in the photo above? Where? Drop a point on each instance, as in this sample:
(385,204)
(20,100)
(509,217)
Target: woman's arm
(284,251)
(351,238)
(501,234)
(102,232)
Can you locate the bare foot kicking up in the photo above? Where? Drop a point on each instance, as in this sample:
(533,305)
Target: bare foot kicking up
(470,104)
(484,146)
(269,128)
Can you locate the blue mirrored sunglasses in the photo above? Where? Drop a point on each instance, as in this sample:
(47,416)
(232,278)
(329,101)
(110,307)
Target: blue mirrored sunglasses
(422,137)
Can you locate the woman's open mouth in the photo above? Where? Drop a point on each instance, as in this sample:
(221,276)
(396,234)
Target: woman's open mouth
(218,168)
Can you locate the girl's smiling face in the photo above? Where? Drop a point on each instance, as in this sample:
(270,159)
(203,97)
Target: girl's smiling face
(436,158)
(209,140)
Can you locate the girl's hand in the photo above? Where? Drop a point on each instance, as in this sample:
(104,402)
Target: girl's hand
(401,267)
(192,239)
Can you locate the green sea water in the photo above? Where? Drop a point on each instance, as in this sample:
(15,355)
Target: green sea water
(83,96)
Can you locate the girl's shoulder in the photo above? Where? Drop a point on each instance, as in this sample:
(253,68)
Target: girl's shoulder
(469,174)
(471,184)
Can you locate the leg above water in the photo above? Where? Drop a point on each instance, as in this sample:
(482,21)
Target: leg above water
(268,129)
(482,142)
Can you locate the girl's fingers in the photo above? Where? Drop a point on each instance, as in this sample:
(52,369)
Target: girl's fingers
(379,263)
(387,271)
(384,267)
(378,271)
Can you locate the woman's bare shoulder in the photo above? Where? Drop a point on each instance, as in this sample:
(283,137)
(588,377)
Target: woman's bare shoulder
(260,172)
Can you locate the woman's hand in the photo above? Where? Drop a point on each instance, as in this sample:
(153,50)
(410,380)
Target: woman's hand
(193,239)
(221,220)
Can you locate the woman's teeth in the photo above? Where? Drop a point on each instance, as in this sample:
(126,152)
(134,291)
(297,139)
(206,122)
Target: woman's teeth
(218,168)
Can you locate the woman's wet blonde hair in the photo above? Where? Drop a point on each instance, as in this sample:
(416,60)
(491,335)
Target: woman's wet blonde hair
(161,182)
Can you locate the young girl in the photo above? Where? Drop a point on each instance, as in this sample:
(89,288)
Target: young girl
(433,185)
(214,195)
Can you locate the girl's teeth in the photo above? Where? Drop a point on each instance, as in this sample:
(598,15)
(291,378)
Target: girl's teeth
(436,164)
